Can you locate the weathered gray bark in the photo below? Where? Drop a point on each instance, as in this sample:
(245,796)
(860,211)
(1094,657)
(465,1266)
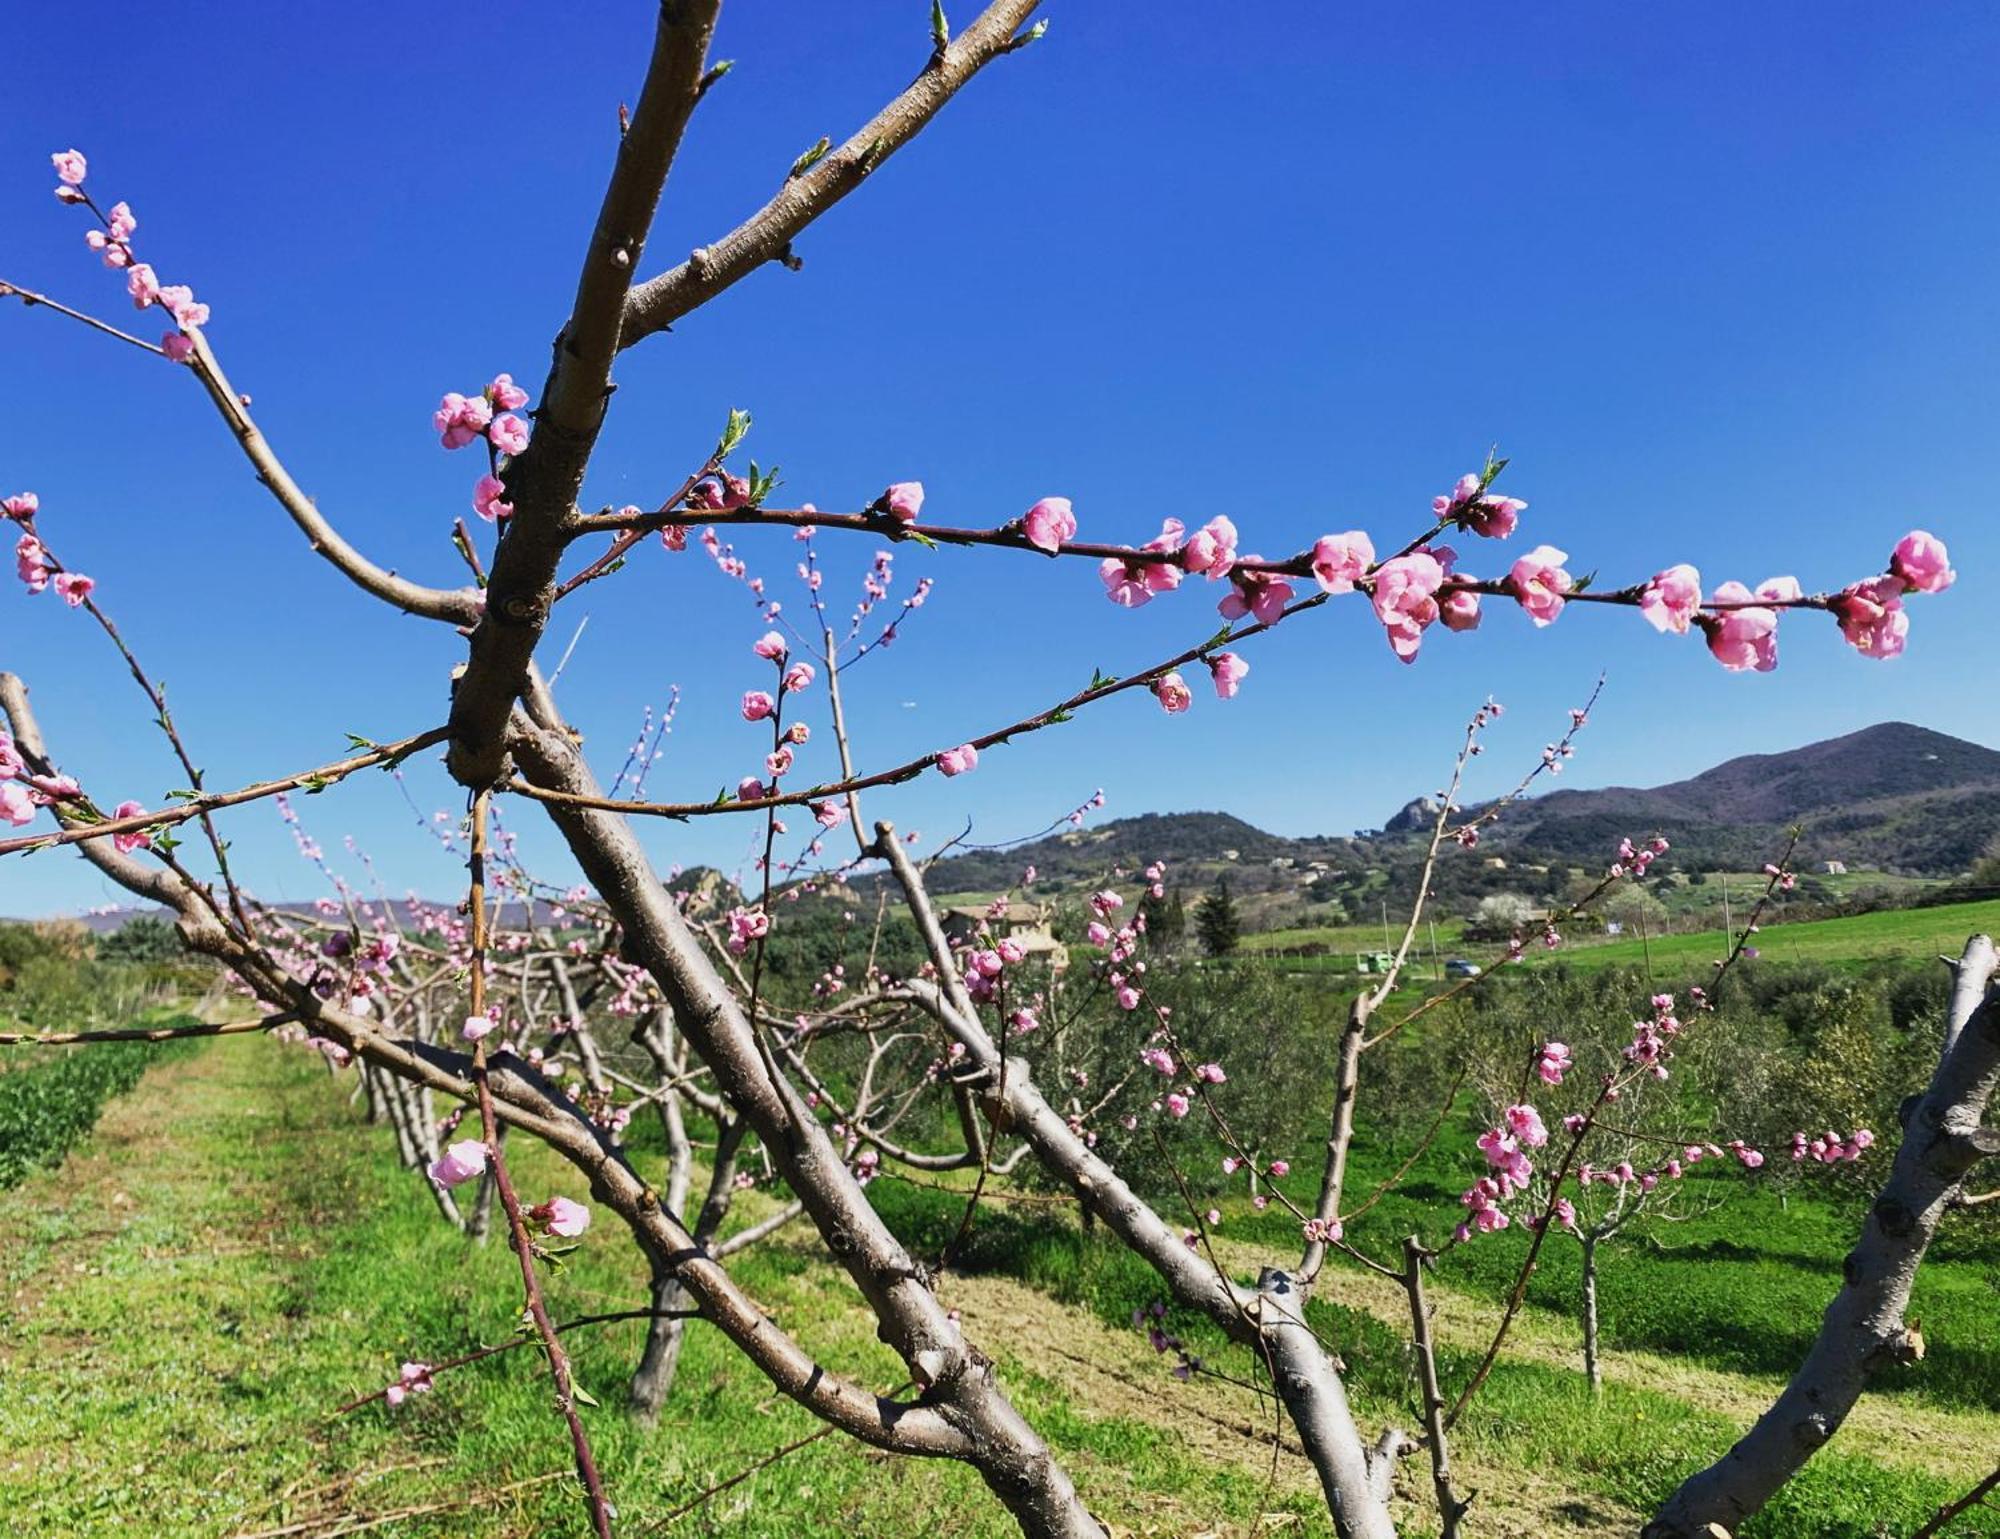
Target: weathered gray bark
(959,1383)
(1593,1369)
(1863,1330)
(1356,1478)
(1269,1319)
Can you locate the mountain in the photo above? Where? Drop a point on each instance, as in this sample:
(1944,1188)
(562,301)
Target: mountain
(1893,796)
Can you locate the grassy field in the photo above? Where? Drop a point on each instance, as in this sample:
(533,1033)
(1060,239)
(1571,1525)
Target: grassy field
(1907,932)
(233,1254)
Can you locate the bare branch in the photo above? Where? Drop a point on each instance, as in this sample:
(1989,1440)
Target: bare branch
(767,235)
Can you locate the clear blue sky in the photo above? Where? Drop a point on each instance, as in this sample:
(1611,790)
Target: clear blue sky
(1718,277)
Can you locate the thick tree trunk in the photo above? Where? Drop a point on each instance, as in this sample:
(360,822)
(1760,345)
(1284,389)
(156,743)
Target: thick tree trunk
(653,1379)
(1356,1479)
(1593,1369)
(958,1382)
(1863,1330)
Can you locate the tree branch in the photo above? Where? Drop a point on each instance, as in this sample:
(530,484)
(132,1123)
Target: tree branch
(767,235)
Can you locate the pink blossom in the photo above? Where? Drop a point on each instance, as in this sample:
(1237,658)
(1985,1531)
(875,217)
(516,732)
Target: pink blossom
(1744,637)
(1341,560)
(31,563)
(1211,1074)
(10,758)
(1280,1168)
(1211,550)
(505,394)
(179,299)
(1173,694)
(561,1217)
(1048,523)
(1525,1123)
(1871,617)
(508,434)
(770,646)
(1464,505)
(757,704)
(746,925)
(1177,1103)
(21,505)
(1459,610)
(1672,599)
(70,166)
(458,419)
(16,805)
(475,1027)
(415,1379)
(74,587)
(956,761)
(827,814)
(1493,517)
(1261,594)
(1228,672)
(798,678)
(1405,599)
(1921,564)
(136,839)
(143,285)
(1539,583)
(459,1163)
(489,499)
(904,500)
(177,347)
(1553,1062)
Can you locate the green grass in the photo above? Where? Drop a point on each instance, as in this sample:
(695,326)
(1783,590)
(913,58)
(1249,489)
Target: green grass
(1633,1445)
(236,1254)
(1907,932)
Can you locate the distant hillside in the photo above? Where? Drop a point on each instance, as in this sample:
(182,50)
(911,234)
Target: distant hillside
(1893,796)
(1087,854)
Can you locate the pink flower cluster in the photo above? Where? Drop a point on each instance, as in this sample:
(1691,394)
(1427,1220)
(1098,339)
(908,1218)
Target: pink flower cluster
(461,419)
(745,926)
(1650,1046)
(1635,859)
(114,243)
(1474,509)
(1520,1128)
(1829,1148)
(21,793)
(37,569)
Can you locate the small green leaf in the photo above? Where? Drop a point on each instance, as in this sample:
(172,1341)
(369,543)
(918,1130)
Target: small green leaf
(1219,637)
(812,157)
(733,432)
(921,538)
(581,1395)
(940,28)
(1100,679)
(356,740)
(1060,716)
